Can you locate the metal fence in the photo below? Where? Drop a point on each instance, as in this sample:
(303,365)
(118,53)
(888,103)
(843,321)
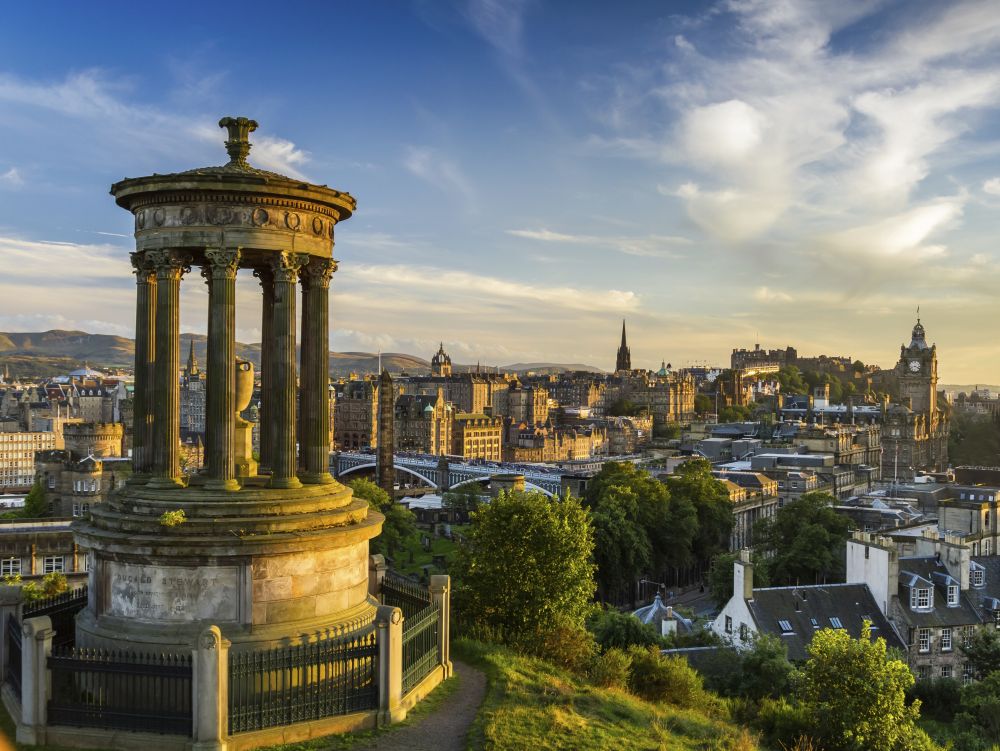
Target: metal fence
(62,610)
(131,691)
(420,645)
(306,682)
(14,653)
(404,594)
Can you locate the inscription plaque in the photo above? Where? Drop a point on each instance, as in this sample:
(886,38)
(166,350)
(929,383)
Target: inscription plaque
(177,594)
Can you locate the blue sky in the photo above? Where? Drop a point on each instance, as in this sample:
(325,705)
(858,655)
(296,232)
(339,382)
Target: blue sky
(529,173)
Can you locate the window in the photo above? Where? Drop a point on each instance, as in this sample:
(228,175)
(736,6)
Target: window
(920,597)
(785,626)
(978,577)
(729,624)
(52,564)
(952,595)
(946,640)
(52,481)
(814,622)
(835,622)
(967,632)
(946,671)
(744,632)
(967,673)
(10,566)
(924,640)
(986,547)
(867,552)
(923,672)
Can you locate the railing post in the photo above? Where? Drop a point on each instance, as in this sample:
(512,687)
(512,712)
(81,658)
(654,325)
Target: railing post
(36,646)
(10,601)
(376,573)
(389,622)
(210,690)
(440,590)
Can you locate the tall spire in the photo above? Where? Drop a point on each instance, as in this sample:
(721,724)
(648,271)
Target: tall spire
(192,366)
(624,360)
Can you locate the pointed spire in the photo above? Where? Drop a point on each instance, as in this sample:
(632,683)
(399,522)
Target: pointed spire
(623,333)
(192,364)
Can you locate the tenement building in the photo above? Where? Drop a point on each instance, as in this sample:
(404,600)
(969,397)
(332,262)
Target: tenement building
(355,421)
(17,457)
(86,471)
(478,436)
(423,423)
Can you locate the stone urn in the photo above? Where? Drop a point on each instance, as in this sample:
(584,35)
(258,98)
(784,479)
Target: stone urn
(246,465)
(244,385)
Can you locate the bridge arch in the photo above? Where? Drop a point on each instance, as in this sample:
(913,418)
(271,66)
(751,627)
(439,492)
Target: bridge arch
(398,468)
(486,478)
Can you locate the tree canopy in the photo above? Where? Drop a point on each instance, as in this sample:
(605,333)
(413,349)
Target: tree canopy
(804,541)
(36,505)
(526,565)
(855,694)
(693,481)
(400,523)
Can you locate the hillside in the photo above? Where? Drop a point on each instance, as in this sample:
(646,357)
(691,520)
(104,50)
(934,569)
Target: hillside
(532,705)
(48,353)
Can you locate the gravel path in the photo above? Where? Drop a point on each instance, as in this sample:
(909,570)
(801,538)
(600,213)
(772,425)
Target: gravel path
(447,728)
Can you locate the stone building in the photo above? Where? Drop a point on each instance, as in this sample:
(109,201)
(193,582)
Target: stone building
(623,359)
(742,359)
(548,443)
(423,423)
(192,398)
(915,431)
(478,436)
(32,548)
(86,471)
(355,421)
(17,457)
(758,501)
(441,363)
(522,403)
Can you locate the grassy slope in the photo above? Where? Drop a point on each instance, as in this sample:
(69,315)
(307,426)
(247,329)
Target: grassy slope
(532,705)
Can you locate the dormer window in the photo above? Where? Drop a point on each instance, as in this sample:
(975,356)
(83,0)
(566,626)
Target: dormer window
(978,577)
(920,597)
(952,595)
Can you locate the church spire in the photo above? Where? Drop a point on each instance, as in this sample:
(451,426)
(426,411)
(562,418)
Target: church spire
(624,360)
(192,366)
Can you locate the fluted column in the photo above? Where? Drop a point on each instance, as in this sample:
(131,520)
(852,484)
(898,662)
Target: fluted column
(283,387)
(315,419)
(220,423)
(266,278)
(170,266)
(142,394)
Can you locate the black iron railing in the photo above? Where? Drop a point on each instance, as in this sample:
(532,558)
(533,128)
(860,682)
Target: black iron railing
(305,682)
(420,645)
(404,594)
(131,691)
(13,675)
(62,610)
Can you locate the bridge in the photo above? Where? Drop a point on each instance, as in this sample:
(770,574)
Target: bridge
(430,470)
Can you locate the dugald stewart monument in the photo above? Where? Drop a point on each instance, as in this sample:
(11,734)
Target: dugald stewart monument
(252,576)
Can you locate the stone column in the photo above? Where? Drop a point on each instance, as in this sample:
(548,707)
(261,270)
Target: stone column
(389,622)
(170,267)
(220,423)
(210,690)
(36,646)
(10,605)
(440,590)
(283,386)
(315,420)
(266,278)
(376,573)
(142,394)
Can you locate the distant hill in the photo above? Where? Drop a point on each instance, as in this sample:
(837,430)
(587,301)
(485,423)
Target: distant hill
(48,353)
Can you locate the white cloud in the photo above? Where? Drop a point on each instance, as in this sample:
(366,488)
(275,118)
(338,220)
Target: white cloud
(278,155)
(12,178)
(900,237)
(768,295)
(494,289)
(992,186)
(727,133)
(655,246)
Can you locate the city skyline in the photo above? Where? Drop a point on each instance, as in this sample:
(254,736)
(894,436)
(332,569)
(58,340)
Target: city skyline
(808,172)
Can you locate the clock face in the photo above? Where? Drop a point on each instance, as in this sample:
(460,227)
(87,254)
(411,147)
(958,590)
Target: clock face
(914,366)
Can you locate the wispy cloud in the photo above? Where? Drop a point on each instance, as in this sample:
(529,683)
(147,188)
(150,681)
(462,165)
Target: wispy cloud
(655,246)
(441,171)
(11,178)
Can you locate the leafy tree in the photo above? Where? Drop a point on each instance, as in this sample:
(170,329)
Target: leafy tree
(855,694)
(462,500)
(526,566)
(981,710)
(694,481)
(612,629)
(735,413)
(983,651)
(766,669)
(703,404)
(36,505)
(400,524)
(720,575)
(790,379)
(805,540)
(622,550)
(624,408)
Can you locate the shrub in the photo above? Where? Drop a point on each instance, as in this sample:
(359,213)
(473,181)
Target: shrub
(940,698)
(564,644)
(783,725)
(668,679)
(172,518)
(621,630)
(52,584)
(611,669)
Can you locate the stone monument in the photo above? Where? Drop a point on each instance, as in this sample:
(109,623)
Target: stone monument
(274,555)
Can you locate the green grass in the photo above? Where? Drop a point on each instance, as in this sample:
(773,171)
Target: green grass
(531,704)
(421,557)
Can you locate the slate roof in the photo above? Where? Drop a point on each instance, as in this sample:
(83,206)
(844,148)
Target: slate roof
(809,609)
(932,573)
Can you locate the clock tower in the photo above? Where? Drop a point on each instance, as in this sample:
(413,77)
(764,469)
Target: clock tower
(917,371)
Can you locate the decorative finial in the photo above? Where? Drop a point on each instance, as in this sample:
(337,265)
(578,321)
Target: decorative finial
(918,314)
(238,144)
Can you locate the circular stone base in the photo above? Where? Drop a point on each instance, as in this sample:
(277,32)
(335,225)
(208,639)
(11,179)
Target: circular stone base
(269,567)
